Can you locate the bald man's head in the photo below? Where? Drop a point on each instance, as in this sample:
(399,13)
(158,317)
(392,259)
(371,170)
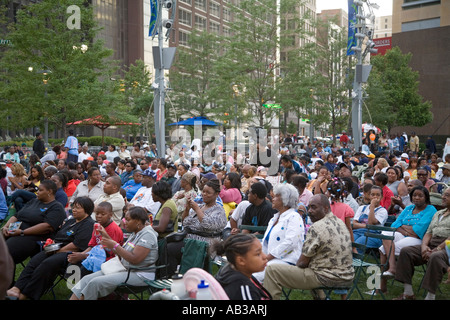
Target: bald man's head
(318,207)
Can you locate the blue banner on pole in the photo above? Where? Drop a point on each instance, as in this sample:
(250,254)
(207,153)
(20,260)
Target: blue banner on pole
(352,21)
(153,17)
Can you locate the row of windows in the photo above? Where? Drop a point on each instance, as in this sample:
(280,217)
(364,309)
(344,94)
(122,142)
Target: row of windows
(183,36)
(185,17)
(214,8)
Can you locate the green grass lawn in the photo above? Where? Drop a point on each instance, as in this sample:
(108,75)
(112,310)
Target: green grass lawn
(395,289)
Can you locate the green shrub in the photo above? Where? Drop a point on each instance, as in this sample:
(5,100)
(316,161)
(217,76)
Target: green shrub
(92,141)
(97,140)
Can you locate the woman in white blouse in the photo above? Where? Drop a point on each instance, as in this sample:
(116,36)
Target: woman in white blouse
(283,239)
(92,187)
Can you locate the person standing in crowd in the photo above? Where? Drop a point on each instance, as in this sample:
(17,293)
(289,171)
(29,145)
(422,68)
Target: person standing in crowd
(430,144)
(72,147)
(344,139)
(414,143)
(39,145)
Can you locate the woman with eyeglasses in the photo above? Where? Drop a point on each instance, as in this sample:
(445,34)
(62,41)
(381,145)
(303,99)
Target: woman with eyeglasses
(130,166)
(423,175)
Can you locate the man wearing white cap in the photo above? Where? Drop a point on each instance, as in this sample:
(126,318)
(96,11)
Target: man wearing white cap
(404,157)
(446,173)
(143,197)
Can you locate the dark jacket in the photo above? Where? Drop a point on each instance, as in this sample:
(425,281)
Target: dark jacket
(39,147)
(240,287)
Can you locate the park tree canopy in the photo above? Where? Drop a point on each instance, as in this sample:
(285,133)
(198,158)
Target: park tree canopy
(55,69)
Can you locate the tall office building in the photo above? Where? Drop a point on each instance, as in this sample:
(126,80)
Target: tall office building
(122,23)
(422,27)
(383,27)
(122,30)
(207,15)
(305,12)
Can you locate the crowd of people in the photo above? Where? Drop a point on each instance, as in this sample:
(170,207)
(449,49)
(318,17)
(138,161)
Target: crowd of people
(118,203)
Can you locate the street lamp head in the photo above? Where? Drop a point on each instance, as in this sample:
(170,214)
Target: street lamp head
(167,4)
(167,23)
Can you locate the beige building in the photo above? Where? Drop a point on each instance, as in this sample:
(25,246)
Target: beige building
(383,27)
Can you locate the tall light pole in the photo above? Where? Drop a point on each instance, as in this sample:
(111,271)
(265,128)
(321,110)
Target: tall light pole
(236,93)
(162,58)
(364,45)
(45,81)
(311,126)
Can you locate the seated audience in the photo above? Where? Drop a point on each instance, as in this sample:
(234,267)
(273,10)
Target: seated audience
(327,240)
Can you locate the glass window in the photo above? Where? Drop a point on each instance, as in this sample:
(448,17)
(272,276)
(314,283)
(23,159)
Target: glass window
(200,23)
(200,4)
(214,9)
(185,17)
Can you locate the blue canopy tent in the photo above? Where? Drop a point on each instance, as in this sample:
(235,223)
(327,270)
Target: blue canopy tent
(195,121)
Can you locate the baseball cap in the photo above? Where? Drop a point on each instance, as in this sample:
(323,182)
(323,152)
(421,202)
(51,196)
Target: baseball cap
(404,155)
(149,173)
(446,166)
(342,164)
(208,175)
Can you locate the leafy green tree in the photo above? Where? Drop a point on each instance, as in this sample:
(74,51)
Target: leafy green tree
(137,97)
(249,60)
(53,70)
(332,96)
(193,76)
(394,99)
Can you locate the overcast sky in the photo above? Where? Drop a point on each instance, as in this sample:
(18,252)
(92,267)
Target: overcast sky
(385,6)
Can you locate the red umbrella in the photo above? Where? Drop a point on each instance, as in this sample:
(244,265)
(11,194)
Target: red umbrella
(100,123)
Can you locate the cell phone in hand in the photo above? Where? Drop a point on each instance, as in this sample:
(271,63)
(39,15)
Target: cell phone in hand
(14,226)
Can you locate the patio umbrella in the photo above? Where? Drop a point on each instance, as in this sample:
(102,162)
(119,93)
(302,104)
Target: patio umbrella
(195,121)
(102,123)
